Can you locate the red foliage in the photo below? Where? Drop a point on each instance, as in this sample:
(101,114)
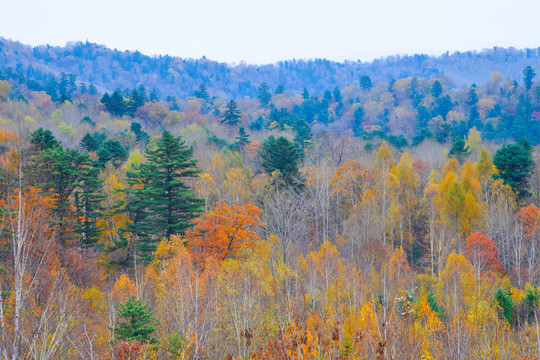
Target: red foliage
(482,253)
(128,350)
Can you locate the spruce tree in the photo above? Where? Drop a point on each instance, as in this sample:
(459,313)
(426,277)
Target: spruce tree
(243,138)
(160,203)
(232,114)
(263,94)
(136,321)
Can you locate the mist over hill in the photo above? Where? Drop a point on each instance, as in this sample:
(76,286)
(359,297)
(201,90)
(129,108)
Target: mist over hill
(110,69)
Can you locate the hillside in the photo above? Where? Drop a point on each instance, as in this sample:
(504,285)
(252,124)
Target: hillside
(160,208)
(109,69)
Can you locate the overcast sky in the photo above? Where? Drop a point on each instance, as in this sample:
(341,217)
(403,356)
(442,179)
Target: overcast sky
(258,31)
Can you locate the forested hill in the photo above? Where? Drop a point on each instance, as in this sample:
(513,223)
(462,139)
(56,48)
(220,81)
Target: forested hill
(111,69)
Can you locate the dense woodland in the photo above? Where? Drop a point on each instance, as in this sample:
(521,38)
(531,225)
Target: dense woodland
(367,218)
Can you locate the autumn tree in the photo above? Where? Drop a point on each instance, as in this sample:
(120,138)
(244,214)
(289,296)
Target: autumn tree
(223,230)
(482,253)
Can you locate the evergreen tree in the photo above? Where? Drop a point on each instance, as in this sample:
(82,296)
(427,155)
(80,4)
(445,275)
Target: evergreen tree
(303,135)
(528,76)
(43,139)
(92,142)
(61,170)
(459,150)
(112,151)
(232,114)
(305,94)
(282,155)
(88,208)
(115,104)
(136,321)
(472,101)
(63,98)
(140,134)
(515,165)
(422,116)
(365,82)
(358,117)
(160,203)
(436,89)
(243,138)
(279,90)
(202,92)
(337,95)
(263,94)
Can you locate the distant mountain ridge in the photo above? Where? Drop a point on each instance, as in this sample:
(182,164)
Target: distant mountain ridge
(109,69)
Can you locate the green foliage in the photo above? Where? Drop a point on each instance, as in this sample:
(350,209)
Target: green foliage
(115,104)
(136,321)
(282,155)
(263,94)
(112,151)
(506,304)
(242,139)
(92,142)
(436,89)
(397,141)
(43,139)
(175,345)
(459,150)
(88,199)
(435,307)
(515,165)
(202,92)
(66,172)
(365,82)
(528,76)
(160,202)
(141,135)
(231,116)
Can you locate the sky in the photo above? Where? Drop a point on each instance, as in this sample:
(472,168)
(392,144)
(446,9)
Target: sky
(262,31)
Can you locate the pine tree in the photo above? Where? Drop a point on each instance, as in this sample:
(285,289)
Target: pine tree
(112,151)
(88,208)
(515,165)
(459,150)
(61,172)
(263,94)
(232,114)
(202,92)
(365,82)
(436,89)
(303,135)
(243,138)
(283,155)
(161,204)
(136,321)
(528,76)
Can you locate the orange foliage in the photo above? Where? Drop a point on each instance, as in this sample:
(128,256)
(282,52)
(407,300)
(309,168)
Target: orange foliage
(482,253)
(223,230)
(529,217)
(128,350)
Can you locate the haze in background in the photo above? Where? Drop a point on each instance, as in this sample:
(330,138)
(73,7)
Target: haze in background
(267,31)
